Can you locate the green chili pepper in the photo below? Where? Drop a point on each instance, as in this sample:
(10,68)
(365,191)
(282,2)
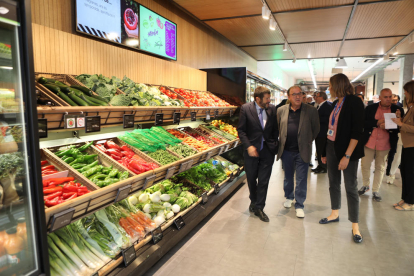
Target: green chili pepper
(90,166)
(93,170)
(107,170)
(123,176)
(113,173)
(68,159)
(65,152)
(78,165)
(84,147)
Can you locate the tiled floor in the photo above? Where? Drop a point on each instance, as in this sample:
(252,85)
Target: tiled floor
(234,242)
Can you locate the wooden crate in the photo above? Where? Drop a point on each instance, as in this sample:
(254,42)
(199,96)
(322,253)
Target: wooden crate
(46,93)
(231,143)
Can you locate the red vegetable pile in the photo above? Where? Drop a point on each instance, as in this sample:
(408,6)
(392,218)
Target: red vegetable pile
(59,190)
(200,138)
(47,169)
(127,157)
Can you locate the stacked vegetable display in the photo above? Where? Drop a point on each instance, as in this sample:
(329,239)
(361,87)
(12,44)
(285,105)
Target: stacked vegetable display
(125,156)
(225,127)
(59,190)
(76,95)
(198,145)
(209,135)
(174,96)
(89,166)
(200,138)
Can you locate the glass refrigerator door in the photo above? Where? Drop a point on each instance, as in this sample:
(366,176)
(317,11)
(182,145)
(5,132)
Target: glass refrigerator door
(18,245)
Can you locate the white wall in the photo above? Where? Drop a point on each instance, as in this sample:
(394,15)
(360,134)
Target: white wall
(369,92)
(271,71)
(392,76)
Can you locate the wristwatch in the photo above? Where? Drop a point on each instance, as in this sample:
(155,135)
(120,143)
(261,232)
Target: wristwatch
(347,156)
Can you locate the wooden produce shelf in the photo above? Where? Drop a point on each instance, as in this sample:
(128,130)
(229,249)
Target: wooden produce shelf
(104,197)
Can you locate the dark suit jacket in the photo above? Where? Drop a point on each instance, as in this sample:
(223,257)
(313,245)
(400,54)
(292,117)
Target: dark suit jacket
(371,123)
(282,103)
(324,112)
(350,126)
(399,104)
(251,132)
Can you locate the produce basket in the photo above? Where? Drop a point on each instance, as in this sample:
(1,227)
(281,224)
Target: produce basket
(232,142)
(179,97)
(44,92)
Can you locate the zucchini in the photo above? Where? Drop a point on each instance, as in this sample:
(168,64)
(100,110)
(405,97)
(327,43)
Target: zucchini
(55,89)
(85,90)
(100,98)
(61,84)
(50,80)
(77,100)
(65,90)
(87,101)
(42,80)
(92,99)
(65,97)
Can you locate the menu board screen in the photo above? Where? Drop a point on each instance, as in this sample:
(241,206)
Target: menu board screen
(157,34)
(113,20)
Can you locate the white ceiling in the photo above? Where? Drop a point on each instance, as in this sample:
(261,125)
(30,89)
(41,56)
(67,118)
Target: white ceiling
(323,68)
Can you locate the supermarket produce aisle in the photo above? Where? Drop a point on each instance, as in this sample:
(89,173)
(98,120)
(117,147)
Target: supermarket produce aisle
(232,241)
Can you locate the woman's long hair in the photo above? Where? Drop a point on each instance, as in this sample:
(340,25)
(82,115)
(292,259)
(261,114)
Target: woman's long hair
(340,86)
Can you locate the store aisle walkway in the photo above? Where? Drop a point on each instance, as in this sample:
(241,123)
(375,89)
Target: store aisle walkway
(234,242)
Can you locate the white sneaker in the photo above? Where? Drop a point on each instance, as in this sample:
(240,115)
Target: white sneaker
(300,213)
(288,203)
(390,179)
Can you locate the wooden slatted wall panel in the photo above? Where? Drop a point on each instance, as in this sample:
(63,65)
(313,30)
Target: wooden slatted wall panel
(76,55)
(268,52)
(382,19)
(197,45)
(316,50)
(377,46)
(289,5)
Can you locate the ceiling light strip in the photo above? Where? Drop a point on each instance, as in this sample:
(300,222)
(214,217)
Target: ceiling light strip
(369,68)
(347,27)
(312,73)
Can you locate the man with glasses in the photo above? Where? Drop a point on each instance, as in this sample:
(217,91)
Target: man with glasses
(396,100)
(258,133)
(324,111)
(298,125)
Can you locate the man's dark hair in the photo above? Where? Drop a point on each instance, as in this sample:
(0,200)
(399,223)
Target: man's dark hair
(395,95)
(323,95)
(295,86)
(362,95)
(260,91)
(303,93)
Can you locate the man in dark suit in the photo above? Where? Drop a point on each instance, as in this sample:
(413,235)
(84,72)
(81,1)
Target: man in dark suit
(324,111)
(396,100)
(259,134)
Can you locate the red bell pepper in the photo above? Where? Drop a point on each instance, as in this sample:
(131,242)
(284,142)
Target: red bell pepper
(68,195)
(78,185)
(111,145)
(116,157)
(57,181)
(126,148)
(82,190)
(52,196)
(128,153)
(52,190)
(83,193)
(44,162)
(53,202)
(67,188)
(101,147)
(115,152)
(72,197)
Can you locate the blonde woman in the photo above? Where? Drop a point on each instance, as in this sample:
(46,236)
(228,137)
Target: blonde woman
(407,155)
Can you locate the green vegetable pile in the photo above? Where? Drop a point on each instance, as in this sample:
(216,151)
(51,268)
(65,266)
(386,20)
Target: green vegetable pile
(182,150)
(74,95)
(89,166)
(142,95)
(163,157)
(120,100)
(203,173)
(101,85)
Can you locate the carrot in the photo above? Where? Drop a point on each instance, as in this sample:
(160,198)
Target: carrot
(127,227)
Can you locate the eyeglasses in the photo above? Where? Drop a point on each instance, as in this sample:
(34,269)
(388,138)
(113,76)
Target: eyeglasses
(296,95)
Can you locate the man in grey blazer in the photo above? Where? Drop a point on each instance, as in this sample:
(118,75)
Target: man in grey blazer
(298,125)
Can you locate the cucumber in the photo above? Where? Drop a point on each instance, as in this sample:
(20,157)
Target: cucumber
(92,99)
(100,98)
(61,84)
(85,90)
(55,89)
(50,80)
(65,90)
(42,80)
(87,101)
(77,92)
(65,97)
(77,100)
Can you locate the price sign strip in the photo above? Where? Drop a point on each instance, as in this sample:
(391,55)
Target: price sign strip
(179,222)
(149,181)
(123,193)
(157,235)
(61,219)
(129,255)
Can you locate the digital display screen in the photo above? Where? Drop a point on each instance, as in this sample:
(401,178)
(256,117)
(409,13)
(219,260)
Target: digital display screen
(158,35)
(128,23)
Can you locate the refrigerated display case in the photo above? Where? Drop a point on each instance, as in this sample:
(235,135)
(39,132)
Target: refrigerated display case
(253,81)
(21,240)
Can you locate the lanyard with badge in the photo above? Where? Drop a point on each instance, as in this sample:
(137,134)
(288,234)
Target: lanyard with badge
(335,113)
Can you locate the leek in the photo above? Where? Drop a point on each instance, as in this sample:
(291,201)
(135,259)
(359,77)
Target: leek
(62,257)
(57,264)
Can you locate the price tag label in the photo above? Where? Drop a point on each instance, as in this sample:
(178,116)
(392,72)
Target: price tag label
(170,172)
(123,193)
(208,155)
(236,144)
(159,118)
(232,176)
(92,124)
(227,147)
(177,117)
(129,120)
(215,114)
(231,112)
(207,115)
(42,128)
(216,189)
(61,219)
(193,116)
(157,235)
(204,198)
(129,255)
(183,167)
(149,181)
(80,120)
(221,150)
(179,222)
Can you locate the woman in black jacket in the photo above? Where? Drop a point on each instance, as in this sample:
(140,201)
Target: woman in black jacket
(344,148)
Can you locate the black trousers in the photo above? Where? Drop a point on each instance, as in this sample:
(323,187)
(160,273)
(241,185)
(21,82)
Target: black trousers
(320,143)
(258,171)
(391,155)
(407,174)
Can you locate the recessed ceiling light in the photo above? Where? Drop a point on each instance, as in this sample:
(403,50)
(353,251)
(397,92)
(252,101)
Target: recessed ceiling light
(4,10)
